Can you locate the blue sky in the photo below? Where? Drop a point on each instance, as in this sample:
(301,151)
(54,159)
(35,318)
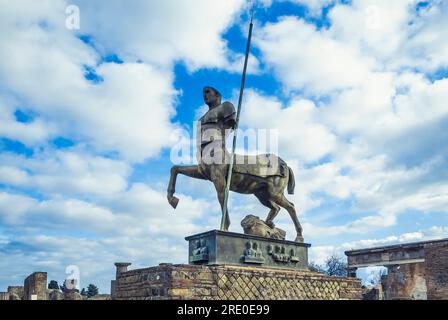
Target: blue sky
(356,90)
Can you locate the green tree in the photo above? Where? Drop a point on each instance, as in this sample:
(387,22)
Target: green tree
(313,266)
(336,266)
(83,292)
(92,290)
(71,283)
(53,285)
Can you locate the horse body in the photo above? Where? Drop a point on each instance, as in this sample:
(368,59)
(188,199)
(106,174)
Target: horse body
(269,190)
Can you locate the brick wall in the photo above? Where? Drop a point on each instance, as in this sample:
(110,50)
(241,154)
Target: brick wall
(36,284)
(406,281)
(232,282)
(437,272)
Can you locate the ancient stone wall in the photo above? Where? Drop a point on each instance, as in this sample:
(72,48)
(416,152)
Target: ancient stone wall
(36,286)
(13,293)
(55,294)
(232,282)
(415,270)
(437,272)
(406,281)
(72,295)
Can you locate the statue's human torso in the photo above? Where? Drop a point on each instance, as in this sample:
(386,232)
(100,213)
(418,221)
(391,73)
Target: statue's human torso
(213,129)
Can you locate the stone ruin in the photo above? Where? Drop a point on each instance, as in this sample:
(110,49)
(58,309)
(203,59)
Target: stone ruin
(416,271)
(35,288)
(229,282)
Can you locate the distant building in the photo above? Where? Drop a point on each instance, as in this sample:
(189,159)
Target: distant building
(415,270)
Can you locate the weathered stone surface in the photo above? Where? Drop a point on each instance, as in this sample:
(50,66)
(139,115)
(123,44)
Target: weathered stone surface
(54,294)
(406,281)
(233,283)
(16,292)
(72,295)
(436,268)
(416,270)
(253,225)
(101,297)
(35,286)
(373,292)
(4,296)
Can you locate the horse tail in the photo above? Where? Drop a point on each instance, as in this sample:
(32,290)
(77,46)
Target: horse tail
(291,181)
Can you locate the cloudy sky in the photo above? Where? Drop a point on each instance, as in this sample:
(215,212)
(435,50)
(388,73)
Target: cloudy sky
(357,91)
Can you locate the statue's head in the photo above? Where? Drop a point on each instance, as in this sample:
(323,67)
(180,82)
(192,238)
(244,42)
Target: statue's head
(212,97)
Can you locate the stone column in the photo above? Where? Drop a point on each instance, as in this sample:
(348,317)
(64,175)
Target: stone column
(113,289)
(35,286)
(121,268)
(351,272)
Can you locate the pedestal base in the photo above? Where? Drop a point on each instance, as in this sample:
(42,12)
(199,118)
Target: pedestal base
(228,248)
(176,282)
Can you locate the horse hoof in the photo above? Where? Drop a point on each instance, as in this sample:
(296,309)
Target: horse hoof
(270,224)
(299,239)
(173,201)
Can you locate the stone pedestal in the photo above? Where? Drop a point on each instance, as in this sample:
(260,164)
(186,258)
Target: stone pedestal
(228,248)
(230,266)
(205,282)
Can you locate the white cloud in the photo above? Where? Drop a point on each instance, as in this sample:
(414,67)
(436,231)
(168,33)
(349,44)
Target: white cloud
(110,228)
(305,58)
(131,109)
(126,113)
(95,258)
(363,167)
(138,211)
(315,6)
(320,254)
(164,31)
(58,172)
(300,135)
(377,27)
(36,132)
(379,127)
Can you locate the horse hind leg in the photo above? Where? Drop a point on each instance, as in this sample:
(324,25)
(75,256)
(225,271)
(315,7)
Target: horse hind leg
(270,204)
(272,214)
(283,202)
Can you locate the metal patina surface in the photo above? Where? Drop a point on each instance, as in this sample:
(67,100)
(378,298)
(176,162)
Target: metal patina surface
(228,248)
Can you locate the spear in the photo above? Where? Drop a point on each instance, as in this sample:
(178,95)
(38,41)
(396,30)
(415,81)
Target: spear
(240,100)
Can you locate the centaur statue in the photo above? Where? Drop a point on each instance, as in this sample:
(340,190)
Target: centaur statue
(265,176)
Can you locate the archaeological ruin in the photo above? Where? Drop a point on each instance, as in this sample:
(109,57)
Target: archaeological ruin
(415,270)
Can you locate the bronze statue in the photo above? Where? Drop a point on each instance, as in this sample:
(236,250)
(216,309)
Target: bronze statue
(265,176)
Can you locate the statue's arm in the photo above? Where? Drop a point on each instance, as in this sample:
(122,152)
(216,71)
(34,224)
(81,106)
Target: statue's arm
(229,115)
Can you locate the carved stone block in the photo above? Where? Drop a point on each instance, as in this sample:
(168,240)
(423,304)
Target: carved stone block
(228,248)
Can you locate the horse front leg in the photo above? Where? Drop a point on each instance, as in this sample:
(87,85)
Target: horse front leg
(189,171)
(220,185)
(172,200)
